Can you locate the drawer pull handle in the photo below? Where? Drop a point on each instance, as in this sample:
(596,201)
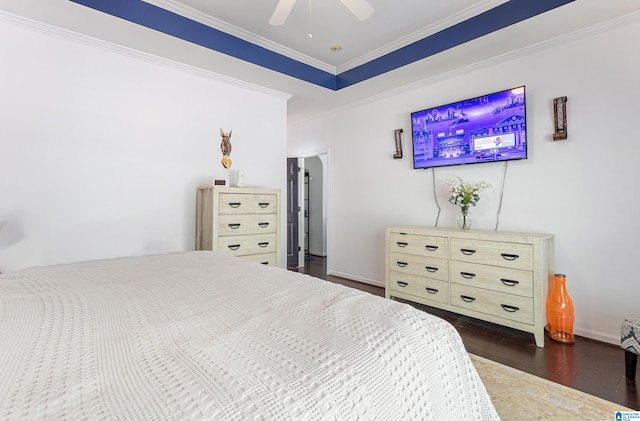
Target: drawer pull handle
(431,290)
(402,284)
(263,244)
(510,309)
(263,224)
(402,264)
(509,282)
(401,244)
(263,204)
(234,226)
(467,275)
(234,204)
(431,269)
(431,248)
(264,263)
(468,252)
(234,246)
(467,299)
(507,256)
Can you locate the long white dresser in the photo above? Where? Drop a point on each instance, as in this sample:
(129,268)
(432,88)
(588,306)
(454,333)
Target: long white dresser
(244,222)
(500,277)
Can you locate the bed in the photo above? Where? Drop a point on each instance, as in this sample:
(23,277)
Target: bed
(205,335)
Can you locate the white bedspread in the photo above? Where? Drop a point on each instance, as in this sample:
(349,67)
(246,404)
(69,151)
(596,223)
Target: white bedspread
(202,335)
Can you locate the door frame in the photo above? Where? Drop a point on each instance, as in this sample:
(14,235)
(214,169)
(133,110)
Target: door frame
(293,201)
(325,198)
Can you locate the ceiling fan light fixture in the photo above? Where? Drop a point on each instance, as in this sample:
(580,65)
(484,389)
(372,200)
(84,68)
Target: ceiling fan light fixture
(281,13)
(362,9)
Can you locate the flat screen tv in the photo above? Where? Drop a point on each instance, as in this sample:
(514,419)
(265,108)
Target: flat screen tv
(487,128)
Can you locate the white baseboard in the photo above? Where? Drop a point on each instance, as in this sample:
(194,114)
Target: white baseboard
(356,278)
(598,336)
(317,253)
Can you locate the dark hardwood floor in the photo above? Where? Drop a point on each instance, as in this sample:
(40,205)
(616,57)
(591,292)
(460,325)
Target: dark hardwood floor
(593,367)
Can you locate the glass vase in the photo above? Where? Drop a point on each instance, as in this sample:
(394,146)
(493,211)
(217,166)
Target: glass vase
(560,311)
(463,219)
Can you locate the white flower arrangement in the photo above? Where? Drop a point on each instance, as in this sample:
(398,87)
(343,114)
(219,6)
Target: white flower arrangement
(465,194)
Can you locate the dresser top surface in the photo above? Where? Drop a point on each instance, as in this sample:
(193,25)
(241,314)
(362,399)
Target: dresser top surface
(471,234)
(240,190)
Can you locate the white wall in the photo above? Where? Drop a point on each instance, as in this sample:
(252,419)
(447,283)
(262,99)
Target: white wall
(101,150)
(583,189)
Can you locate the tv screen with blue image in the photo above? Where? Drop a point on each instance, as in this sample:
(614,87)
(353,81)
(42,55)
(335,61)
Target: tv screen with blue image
(487,128)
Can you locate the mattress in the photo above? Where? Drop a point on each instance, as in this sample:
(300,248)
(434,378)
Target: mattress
(204,335)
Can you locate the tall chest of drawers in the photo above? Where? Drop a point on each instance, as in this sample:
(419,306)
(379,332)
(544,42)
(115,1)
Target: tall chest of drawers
(244,222)
(500,277)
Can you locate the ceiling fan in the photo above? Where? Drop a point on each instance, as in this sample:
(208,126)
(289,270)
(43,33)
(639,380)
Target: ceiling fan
(361,9)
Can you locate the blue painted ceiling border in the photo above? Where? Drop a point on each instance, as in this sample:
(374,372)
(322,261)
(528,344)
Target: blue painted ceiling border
(492,20)
(159,19)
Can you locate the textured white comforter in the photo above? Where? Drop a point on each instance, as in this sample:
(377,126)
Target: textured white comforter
(202,335)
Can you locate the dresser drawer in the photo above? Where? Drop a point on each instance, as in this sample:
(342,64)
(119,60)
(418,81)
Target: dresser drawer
(497,276)
(242,245)
(242,203)
(510,281)
(421,245)
(246,224)
(495,253)
(430,289)
(417,265)
(505,306)
(268,259)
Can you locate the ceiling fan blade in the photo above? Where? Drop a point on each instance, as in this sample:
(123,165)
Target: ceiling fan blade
(362,9)
(282,11)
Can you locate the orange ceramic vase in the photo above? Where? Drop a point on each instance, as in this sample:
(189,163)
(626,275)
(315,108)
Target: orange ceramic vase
(560,311)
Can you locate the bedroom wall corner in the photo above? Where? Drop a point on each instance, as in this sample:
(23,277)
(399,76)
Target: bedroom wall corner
(102,150)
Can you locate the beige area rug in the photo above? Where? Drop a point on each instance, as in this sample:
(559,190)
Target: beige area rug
(517,395)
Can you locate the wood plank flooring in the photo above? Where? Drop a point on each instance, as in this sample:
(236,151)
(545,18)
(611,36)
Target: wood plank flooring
(590,366)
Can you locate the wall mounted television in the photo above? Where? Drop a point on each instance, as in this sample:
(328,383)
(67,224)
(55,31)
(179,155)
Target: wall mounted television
(487,128)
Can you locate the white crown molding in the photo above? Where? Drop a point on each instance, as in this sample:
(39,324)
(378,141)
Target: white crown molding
(213,22)
(522,52)
(434,28)
(195,15)
(137,54)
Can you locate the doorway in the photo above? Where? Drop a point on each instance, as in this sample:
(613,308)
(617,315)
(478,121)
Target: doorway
(293,209)
(314,209)
(311,224)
